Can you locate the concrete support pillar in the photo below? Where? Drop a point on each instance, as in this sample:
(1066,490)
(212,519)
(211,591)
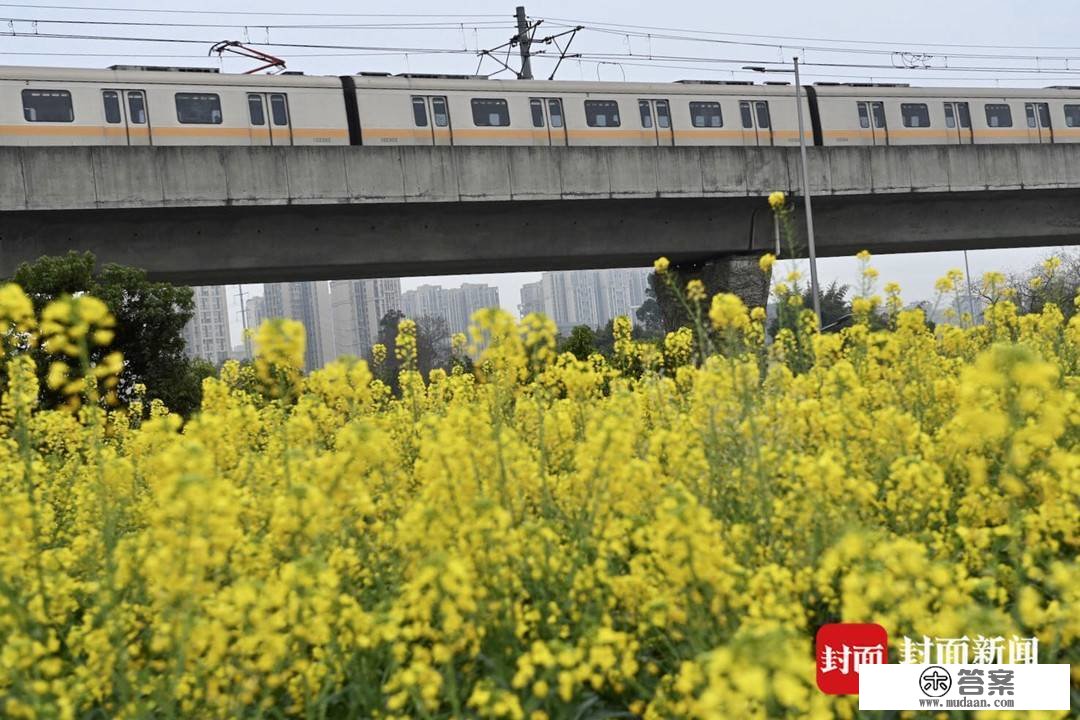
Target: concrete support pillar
(738,274)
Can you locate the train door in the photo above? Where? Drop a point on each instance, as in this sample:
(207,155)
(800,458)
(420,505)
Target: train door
(432,113)
(756,122)
(1038,122)
(268,114)
(127,108)
(547,114)
(258,131)
(656,116)
(958,122)
(872,120)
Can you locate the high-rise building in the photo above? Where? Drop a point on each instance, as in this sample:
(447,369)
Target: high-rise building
(426,301)
(532,298)
(585,297)
(454,305)
(207,333)
(622,292)
(255,312)
(252,317)
(308,302)
(358,307)
(466,300)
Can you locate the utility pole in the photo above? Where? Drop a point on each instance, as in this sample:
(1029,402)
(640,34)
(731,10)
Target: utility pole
(814,290)
(524,42)
(971,300)
(243,321)
(806,199)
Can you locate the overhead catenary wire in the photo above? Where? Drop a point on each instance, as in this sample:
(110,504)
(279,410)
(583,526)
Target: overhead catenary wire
(832,49)
(865,77)
(620,29)
(849,65)
(583,55)
(194,41)
(493,24)
(790,39)
(1044,66)
(247,13)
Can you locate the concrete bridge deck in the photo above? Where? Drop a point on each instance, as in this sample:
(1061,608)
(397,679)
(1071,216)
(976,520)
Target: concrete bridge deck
(230,214)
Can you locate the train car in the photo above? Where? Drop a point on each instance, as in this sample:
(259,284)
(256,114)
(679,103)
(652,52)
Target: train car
(441,110)
(174,106)
(138,106)
(902,115)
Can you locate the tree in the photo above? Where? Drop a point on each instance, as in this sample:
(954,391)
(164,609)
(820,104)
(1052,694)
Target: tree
(150,319)
(581,343)
(835,309)
(388,370)
(648,315)
(432,346)
(1055,280)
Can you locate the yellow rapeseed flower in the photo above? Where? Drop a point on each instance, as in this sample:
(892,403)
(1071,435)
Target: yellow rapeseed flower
(728,312)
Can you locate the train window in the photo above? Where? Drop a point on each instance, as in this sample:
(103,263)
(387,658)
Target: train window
(136,107)
(864,115)
(555,112)
(646,113)
(963,114)
(1030,110)
(602,113)
(915,114)
(198,108)
(279,111)
(419,111)
(663,114)
(255,110)
(490,112)
(747,115)
(111,100)
(877,109)
(1072,116)
(1044,114)
(47,106)
(536,106)
(762,109)
(439,113)
(998,115)
(706,114)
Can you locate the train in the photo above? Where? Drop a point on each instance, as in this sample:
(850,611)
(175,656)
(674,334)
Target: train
(142,105)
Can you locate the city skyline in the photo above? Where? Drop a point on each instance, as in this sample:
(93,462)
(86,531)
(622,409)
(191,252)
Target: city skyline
(915,272)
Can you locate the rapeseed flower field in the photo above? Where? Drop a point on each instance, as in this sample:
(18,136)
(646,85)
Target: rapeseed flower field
(654,535)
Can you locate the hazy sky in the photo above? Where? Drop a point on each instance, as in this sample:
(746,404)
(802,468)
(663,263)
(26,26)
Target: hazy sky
(999,34)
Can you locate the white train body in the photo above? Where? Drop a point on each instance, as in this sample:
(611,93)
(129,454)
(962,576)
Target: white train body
(125,106)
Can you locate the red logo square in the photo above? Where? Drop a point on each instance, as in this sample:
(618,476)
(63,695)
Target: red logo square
(842,648)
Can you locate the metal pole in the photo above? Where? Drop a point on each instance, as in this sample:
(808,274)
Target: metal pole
(523,44)
(971,299)
(243,321)
(806,199)
(776,233)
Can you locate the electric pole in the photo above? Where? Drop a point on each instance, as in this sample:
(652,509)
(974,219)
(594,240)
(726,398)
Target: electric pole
(524,42)
(243,321)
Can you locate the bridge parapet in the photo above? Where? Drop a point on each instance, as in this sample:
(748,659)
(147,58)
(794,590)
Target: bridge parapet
(83,178)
